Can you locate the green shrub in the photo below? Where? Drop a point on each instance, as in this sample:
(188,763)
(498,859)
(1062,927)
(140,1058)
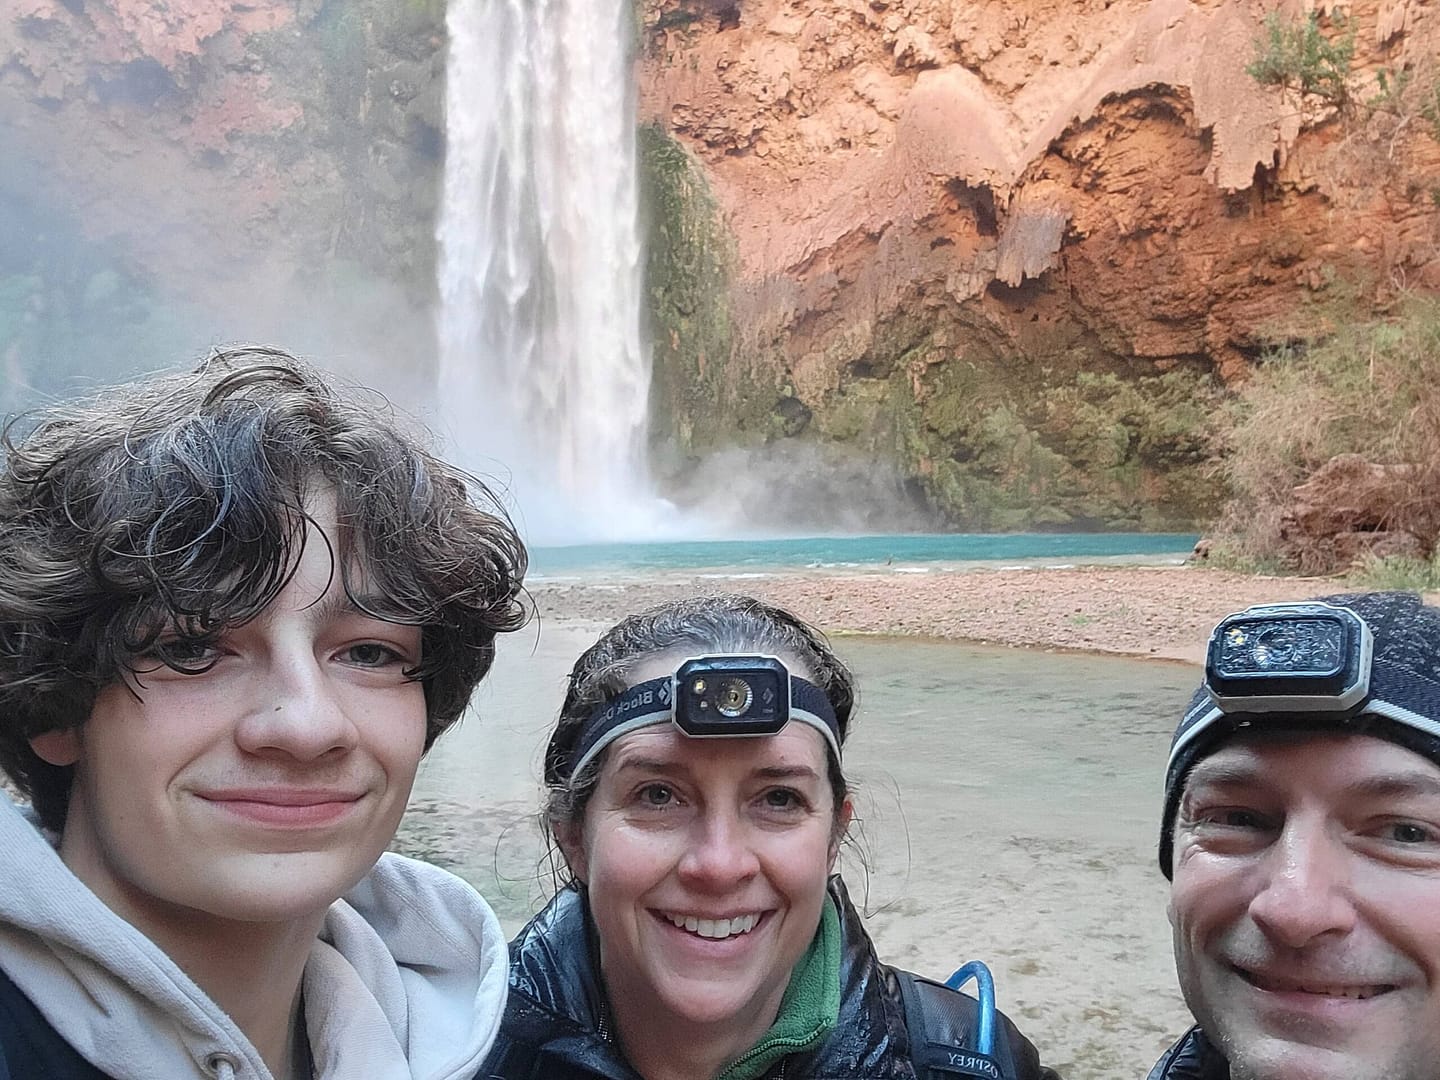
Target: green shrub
(1369,387)
(1430,107)
(1299,55)
(1391,84)
(1397,572)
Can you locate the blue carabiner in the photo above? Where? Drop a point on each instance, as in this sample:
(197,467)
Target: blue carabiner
(985,992)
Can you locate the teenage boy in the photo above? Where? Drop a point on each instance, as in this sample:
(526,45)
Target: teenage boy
(236,607)
(1302,838)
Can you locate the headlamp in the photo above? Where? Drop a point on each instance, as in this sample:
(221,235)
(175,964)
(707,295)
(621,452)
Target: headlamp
(1296,658)
(1310,657)
(720,696)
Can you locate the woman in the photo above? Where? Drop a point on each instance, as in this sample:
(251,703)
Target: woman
(700,933)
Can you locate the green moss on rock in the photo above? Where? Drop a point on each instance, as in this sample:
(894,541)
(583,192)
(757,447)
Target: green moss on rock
(696,401)
(1062,435)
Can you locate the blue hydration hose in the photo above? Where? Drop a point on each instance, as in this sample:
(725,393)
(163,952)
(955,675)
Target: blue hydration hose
(985,991)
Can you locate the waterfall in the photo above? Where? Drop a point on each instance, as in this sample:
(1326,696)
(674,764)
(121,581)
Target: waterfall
(543,373)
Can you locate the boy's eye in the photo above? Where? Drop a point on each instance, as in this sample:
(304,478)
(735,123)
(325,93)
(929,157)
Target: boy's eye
(186,654)
(371,654)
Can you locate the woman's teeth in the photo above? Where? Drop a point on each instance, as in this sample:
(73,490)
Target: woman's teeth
(715,928)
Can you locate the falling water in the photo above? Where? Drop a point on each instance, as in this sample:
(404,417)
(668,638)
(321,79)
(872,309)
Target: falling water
(543,373)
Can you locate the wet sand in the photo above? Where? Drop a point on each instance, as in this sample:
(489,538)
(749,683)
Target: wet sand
(1149,611)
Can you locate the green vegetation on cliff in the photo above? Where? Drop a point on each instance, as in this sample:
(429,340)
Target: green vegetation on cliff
(1367,387)
(1063,437)
(370,79)
(1298,54)
(687,291)
(1054,440)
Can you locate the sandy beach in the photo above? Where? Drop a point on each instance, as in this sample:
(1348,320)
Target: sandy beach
(1156,611)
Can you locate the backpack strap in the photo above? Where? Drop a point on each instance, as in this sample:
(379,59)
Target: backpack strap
(943,1024)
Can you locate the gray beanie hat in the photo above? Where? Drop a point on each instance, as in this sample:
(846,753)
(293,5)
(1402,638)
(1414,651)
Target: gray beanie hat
(1402,703)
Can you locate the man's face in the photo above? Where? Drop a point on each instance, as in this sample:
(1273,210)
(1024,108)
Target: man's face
(261,789)
(1306,907)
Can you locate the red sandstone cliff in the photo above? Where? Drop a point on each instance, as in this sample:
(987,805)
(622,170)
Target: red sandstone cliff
(1113,152)
(1005,203)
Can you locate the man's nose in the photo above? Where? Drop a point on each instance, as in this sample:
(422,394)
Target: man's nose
(720,854)
(296,712)
(1307,889)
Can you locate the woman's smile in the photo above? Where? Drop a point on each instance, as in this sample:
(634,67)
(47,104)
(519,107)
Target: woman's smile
(718,928)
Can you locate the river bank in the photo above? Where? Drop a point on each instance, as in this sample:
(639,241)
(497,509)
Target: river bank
(1165,612)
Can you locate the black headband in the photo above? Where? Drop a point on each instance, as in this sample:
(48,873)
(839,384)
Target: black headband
(654,702)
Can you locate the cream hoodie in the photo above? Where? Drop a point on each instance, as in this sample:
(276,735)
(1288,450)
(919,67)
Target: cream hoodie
(406,982)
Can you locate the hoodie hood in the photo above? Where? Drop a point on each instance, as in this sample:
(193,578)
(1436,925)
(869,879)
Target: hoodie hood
(406,981)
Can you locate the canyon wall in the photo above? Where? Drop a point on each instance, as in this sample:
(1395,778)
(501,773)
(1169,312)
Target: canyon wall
(915,263)
(1016,251)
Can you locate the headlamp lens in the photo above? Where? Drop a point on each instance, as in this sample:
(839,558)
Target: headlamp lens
(1312,647)
(733,697)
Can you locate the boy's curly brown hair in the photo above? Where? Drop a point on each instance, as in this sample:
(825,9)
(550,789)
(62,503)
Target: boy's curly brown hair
(175,505)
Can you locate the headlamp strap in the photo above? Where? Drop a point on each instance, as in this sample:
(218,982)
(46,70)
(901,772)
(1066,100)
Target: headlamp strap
(652,702)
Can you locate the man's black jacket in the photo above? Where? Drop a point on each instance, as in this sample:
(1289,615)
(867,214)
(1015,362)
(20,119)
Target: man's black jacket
(1194,1057)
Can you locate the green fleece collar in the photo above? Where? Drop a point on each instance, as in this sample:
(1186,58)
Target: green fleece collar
(808,1010)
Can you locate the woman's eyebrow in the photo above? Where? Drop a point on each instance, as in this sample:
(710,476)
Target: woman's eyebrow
(641,763)
(787,772)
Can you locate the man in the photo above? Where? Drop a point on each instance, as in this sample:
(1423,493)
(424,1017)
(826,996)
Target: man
(1302,838)
(236,607)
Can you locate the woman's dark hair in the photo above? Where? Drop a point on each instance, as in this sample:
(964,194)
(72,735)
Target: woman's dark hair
(724,623)
(176,505)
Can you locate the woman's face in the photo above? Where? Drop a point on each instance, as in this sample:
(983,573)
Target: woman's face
(706,863)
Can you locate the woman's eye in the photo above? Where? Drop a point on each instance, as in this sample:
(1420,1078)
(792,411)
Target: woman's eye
(656,795)
(783,799)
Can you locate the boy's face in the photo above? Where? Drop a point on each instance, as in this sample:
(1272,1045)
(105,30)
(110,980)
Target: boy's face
(261,789)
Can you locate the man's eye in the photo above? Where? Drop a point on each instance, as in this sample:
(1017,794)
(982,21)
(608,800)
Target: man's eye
(1407,832)
(1229,817)
(1240,819)
(656,795)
